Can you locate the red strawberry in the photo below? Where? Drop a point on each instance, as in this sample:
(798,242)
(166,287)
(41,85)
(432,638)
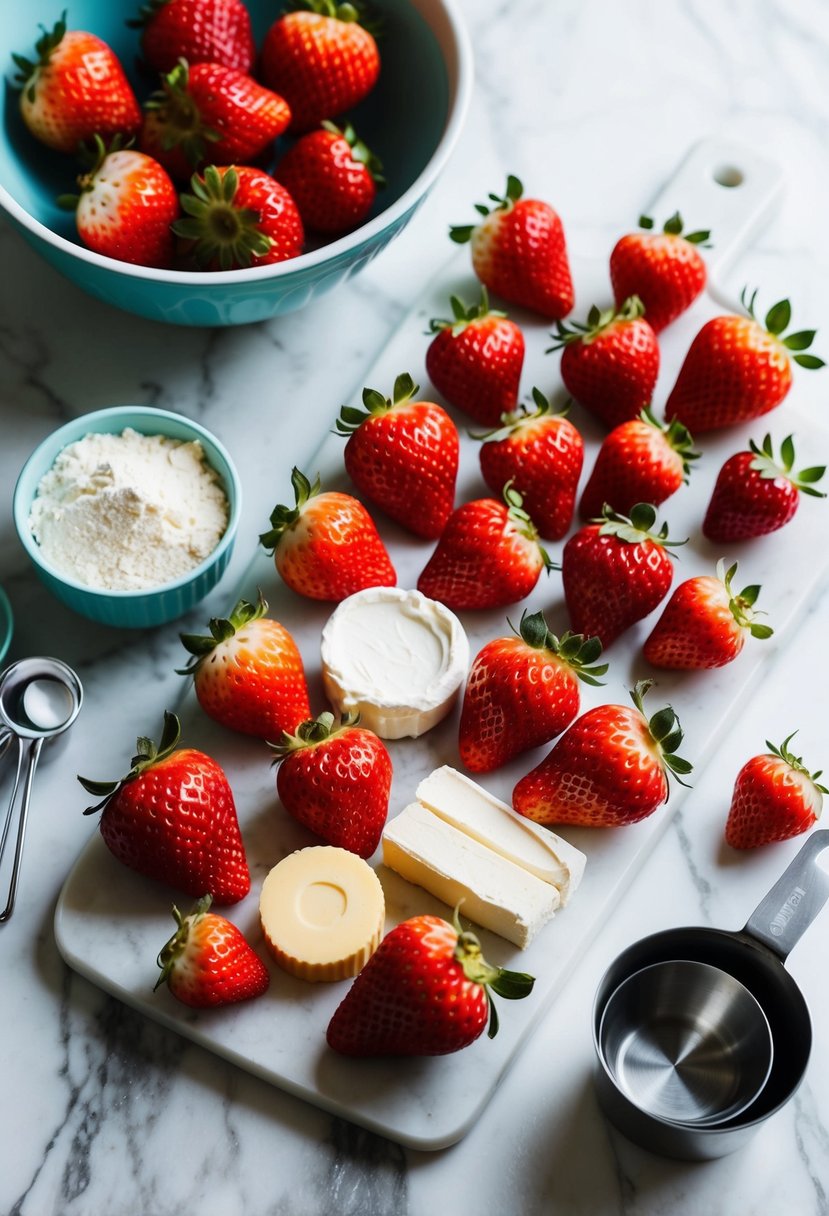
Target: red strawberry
(173,819)
(522,691)
(704,623)
(402,454)
(737,369)
(248,673)
(336,780)
(238,217)
(126,207)
(209,111)
(200,31)
(74,90)
(475,360)
(208,962)
(332,177)
(519,252)
(487,556)
(616,572)
(756,494)
(541,453)
(641,460)
(608,769)
(327,547)
(665,269)
(424,992)
(610,365)
(775,798)
(323,61)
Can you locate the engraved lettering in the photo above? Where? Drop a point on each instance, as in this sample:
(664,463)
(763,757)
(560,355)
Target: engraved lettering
(779,921)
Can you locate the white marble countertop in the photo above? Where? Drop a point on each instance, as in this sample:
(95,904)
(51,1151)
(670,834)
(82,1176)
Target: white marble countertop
(592,104)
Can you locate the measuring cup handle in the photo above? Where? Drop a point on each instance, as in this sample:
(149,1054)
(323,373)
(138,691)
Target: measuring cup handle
(31,756)
(781,919)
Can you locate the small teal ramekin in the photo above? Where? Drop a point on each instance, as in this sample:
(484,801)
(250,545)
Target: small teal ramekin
(129,609)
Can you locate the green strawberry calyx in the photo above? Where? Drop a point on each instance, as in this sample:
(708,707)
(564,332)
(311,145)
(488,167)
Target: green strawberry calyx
(360,151)
(221,630)
(676,435)
(92,155)
(523,522)
(461,233)
(637,527)
(598,321)
(673,227)
(741,603)
(515,420)
(351,418)
(283,517)
(220,230)
(776,322)
(511,985)
(180,117)
(769,467)
(573,649)
(171,951)
(796,762)
(343,10)
(313,731)
(147,754)
(27,69)
(665,731)
(464,315)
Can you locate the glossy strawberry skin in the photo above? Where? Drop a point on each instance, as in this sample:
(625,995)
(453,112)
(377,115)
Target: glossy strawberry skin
(543,458)
(744,504)
(334,550)
(333,191)
(339,789)
(200,31)
(520,255)
(635,463)
(613,375)
(666,272)
(208,962)
(697,628)
(126,208)
(479,369)
(412,998)
(772,801)
(734,371)
(321,65)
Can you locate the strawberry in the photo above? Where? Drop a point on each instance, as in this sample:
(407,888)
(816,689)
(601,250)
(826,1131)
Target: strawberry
(775,798)
(322,61)
(424,992)
(126,207)
(210,111)
(238,217)
(172,818)
(487,556)
(541,453)
(519,252)
(737,369)
(336,780)
(608,769)
(610,364)
(522,691)
(326,547)
(208,962)
(475,359)
(704,623)
(641,460)
(615,572)
(332,177)
(248,673)
(74,90)
(664,269)
(402,454)
(200,31)
(756,494)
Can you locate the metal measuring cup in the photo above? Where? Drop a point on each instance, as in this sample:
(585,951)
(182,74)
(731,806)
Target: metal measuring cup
(40,698)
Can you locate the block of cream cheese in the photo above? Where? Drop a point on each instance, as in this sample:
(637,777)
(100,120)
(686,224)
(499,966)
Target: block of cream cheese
(397,657)
(496,893)
(322,911)
(473,810)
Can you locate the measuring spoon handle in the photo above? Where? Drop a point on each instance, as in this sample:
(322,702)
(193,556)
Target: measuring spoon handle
(783,916)
(29,754)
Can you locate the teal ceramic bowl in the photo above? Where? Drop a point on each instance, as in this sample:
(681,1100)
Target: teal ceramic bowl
(129,609)
(411,120)
(6,624)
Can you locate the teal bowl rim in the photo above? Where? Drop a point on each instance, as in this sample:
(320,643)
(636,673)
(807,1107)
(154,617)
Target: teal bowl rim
(6,624)
(130,415)
(459,58)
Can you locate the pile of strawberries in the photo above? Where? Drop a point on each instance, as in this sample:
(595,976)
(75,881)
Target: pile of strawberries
(234,159)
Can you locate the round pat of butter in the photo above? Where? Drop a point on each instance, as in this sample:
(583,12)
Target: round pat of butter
(396,657)
(322,912)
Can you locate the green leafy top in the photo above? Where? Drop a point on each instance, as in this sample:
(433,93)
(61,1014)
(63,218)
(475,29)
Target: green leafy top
(515,419)
(503,202)
(598,320)
(776,322)
(221,630)
(665,731)
(637,527)
(796,762)
(676,435)
(518,516)
(673,227)
(463,315)
(219,229)
(311,732)
(283,517)
(741,603)
(351,418)
(511,985)
(573,649)
(360,151)
(769,467)
(172,950)
(180,117)
(45,45)
(146,755)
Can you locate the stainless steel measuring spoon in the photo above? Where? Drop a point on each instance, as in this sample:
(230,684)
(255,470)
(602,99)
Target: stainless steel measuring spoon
(40,698)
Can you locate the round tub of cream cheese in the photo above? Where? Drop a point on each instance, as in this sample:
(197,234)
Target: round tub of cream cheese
(396,657)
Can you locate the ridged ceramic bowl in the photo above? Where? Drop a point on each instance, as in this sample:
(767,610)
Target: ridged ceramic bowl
(129,609)
(411,120)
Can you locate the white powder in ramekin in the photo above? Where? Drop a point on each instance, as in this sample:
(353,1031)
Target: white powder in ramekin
(129,512)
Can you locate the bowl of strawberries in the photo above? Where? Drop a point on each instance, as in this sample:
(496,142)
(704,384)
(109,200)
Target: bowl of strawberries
(220,162)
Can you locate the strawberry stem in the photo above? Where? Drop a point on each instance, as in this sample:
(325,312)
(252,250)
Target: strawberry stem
(311,732)
(665,731)
(221,630)
(598,320)
(147,754)
(573,649)
(220,230)
(511,985)
(351,419)
(283,517)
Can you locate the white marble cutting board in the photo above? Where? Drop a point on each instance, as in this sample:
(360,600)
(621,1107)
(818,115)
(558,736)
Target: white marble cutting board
(111,923)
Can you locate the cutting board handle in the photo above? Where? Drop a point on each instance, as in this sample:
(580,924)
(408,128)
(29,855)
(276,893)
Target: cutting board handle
(728,188)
